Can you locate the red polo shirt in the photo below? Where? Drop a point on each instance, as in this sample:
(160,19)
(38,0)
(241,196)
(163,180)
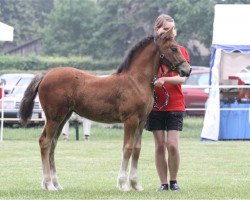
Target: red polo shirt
(176,99)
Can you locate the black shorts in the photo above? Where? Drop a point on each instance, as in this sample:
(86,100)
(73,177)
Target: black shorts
(171,120)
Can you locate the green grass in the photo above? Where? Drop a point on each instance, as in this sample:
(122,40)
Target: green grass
(88,170)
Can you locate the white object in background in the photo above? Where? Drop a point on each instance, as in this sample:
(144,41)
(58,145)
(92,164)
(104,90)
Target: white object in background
(231,24)
(210,130)
(6,32)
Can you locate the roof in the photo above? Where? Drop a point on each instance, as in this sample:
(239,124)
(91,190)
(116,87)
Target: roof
(23,45)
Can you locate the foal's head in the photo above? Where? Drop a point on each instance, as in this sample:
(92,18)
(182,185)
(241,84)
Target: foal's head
(170,54)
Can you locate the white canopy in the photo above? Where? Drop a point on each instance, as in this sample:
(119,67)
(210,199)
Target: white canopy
(230,54)
(231,24)
(6,32)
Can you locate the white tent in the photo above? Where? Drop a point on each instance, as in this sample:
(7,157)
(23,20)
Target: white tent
(6,32)
(230,54)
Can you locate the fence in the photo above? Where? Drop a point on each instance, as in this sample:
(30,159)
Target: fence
(219,87)
(184,86)
(34,119)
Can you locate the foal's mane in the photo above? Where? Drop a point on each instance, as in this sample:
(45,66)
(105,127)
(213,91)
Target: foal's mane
(124,66)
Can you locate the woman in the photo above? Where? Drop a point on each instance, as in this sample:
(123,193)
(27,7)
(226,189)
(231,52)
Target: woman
(166,122)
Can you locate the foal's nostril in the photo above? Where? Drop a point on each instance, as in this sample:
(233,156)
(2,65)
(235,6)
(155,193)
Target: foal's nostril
(185,73)
(182,73)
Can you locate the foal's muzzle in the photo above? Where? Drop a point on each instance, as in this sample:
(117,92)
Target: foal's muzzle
(183,73)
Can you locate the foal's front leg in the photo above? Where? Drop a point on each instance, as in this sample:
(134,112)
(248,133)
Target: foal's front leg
(129,131)
(122,180)
(133,176)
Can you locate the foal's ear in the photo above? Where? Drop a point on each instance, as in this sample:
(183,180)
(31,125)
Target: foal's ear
(170,34)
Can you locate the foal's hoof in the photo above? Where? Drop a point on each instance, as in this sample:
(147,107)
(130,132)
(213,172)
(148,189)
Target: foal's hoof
(123,187)
(122,184)
(58,186)
(49,187)
(136,186)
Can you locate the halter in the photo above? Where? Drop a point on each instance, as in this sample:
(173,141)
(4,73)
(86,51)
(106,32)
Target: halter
(173,67)
(165,61)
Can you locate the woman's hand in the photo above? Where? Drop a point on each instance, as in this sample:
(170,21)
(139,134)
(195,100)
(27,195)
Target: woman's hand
(159,82)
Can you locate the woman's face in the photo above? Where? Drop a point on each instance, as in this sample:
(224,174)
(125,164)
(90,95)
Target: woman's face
(166,27)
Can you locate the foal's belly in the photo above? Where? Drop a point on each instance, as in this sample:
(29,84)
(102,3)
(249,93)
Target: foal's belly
(100,115)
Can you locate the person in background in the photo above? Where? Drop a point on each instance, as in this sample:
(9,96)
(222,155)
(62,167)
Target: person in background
(166,122)
(86,127)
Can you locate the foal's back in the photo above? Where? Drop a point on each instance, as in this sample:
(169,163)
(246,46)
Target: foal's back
(103,99)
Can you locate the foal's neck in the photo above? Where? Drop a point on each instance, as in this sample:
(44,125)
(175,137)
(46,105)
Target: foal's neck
(144,64)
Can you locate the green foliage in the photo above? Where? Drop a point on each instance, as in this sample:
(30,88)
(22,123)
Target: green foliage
(106,28)
(119,24)
(44,63)
(70,28)
(194,20)
(27,17)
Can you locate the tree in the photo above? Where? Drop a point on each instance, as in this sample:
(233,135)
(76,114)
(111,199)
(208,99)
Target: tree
(70,29)
(194,18)
(122,23)
(105,28)
(25,16)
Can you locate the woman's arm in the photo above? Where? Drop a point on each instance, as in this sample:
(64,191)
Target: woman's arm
(170,80)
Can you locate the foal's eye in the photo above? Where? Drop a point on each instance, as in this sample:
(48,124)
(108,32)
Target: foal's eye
(174,49)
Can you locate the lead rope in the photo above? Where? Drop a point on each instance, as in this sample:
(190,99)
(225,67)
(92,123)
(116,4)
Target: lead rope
(165,92)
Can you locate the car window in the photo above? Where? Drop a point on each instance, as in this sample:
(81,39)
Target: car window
(10,80)
(203,79)
(21,86)
(198,79)
(18,91)
(192,80)
(24,81)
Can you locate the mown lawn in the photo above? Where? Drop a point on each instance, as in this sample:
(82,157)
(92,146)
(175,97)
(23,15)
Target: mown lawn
(88,169)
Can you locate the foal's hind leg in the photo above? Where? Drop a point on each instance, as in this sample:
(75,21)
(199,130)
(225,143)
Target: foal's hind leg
(45,142)
(51,154)
(129,131)
(52,165)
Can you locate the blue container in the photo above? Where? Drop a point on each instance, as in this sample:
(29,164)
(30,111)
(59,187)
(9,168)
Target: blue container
(224,115)
(234,124)
(247,121)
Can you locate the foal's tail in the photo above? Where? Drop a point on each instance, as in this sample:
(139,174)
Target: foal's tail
(27,103)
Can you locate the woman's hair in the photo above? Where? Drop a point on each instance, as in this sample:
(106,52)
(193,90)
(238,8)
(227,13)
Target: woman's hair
(161,20)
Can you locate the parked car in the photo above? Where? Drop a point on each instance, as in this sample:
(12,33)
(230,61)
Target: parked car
(195,98)
(199,68)
(11,80)
(11,103)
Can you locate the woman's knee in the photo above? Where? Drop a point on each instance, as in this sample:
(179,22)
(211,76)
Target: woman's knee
(160,148)
(172,148)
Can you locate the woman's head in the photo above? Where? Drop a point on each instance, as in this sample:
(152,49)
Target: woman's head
(164,23)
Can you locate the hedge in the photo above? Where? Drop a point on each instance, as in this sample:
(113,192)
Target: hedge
(44,63)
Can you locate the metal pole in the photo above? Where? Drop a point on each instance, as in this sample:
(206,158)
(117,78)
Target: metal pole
(2,112)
